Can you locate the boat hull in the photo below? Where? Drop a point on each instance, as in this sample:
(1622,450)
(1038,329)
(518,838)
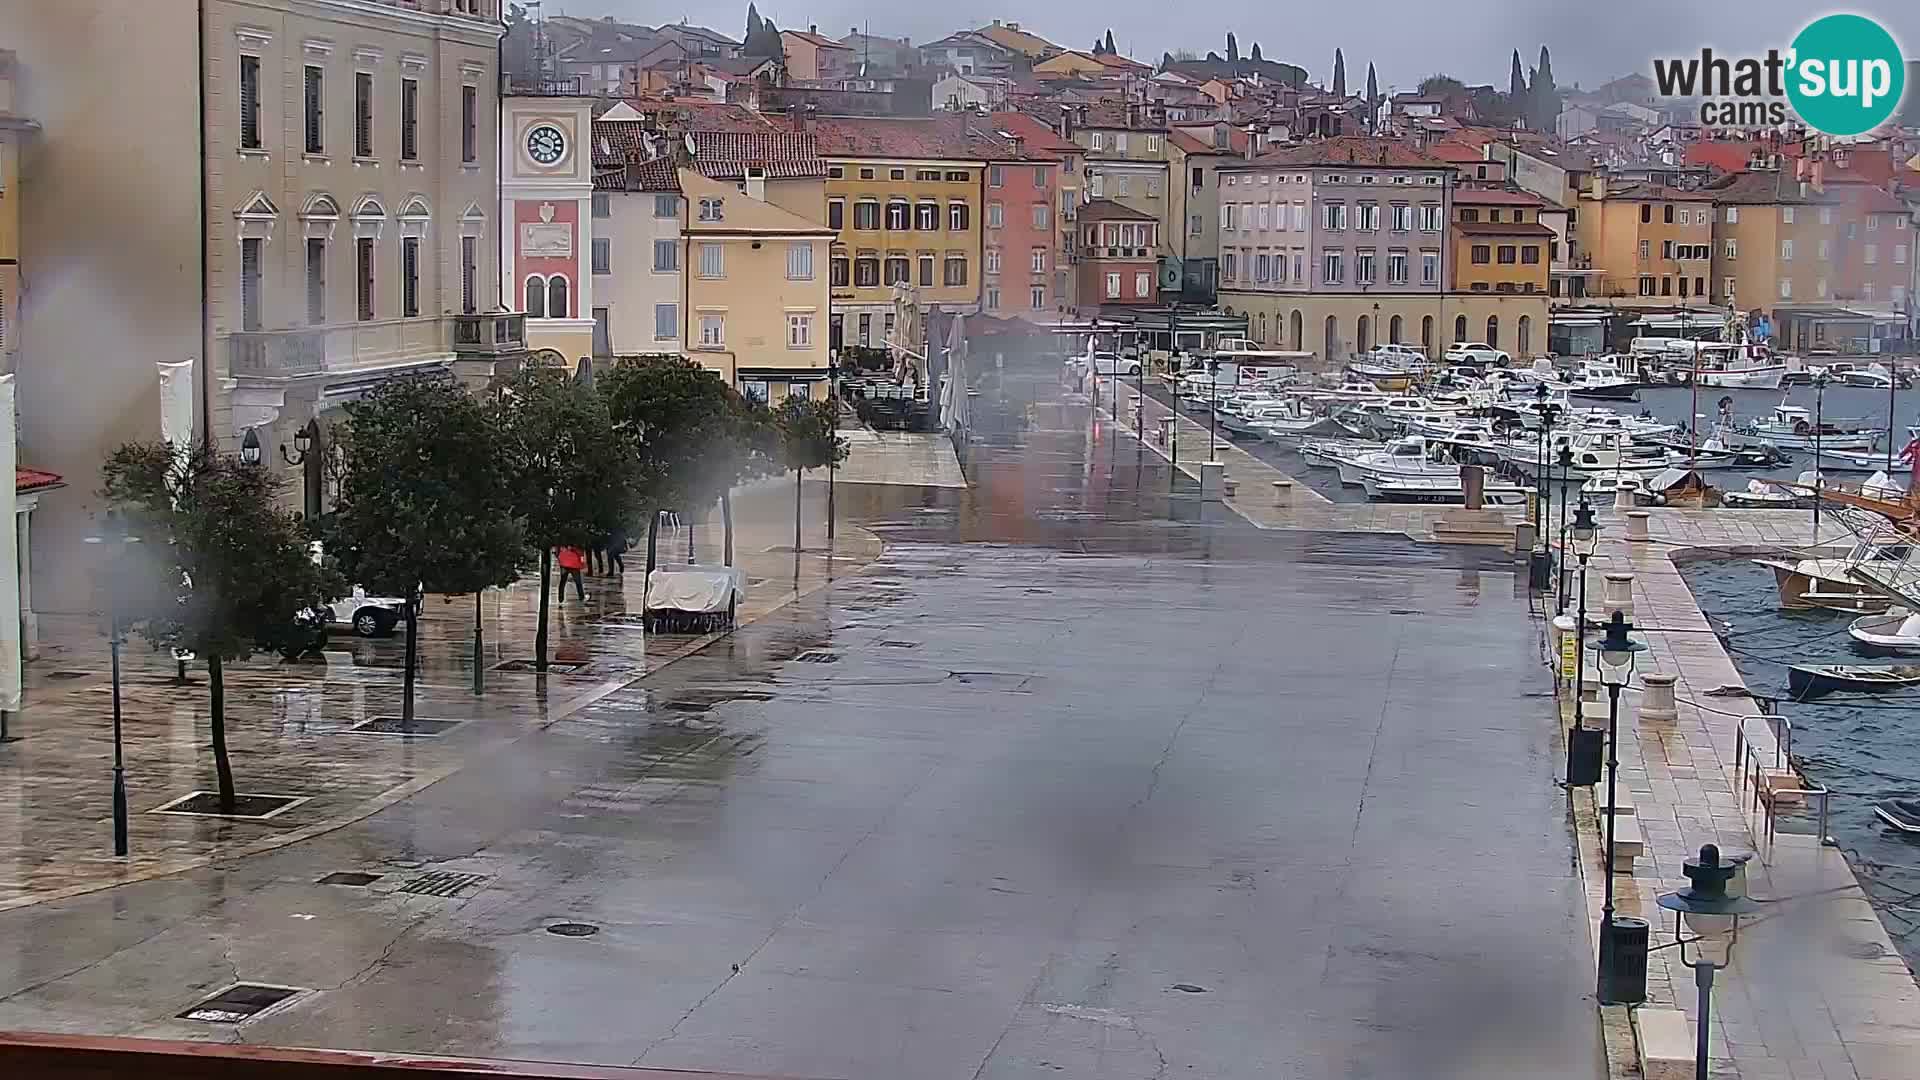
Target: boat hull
(1765,378)
(1625,391)
(1817,585)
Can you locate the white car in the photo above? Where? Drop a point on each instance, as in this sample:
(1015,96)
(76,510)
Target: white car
(367,616)
(1106,363)
(1474,352)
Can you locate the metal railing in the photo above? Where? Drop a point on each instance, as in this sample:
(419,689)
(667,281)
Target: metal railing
(1762,798)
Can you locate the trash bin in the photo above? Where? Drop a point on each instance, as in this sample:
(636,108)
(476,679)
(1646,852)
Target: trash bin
(1585,748)
(1623,975)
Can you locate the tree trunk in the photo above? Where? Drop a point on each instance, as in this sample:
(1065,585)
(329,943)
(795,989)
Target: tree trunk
(217,721)
(797,475)
(540,633)
(653,542)
(726,524)
(406,683)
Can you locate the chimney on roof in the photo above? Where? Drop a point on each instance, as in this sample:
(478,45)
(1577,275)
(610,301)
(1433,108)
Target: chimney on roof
(1013,26)
(1019,145)
(807,114)
(1253,141)
(812,29)
(996,22)
(756,183)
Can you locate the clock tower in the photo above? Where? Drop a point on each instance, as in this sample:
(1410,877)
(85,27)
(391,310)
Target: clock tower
(546,195)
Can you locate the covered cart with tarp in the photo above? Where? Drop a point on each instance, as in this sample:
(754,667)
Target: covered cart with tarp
(693,599)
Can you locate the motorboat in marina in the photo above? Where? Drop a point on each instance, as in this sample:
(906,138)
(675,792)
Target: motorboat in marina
(1603,378)
(1294,425)
(1806,681)
(1760,495)
(1608,486)
(1714,453)
(1406,458)
(1594,453)
(1441,490)
(1740,365)
(1829,583)
(1902,814)
(1791,427)
(1894,632)
(1391,367)
(1871,377)
(1869,461)
(1244,418)
(1325,453)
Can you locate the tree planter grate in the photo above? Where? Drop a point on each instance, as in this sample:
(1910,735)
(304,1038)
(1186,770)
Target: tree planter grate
(445,883)
(250,807)
(419,727)
(528,665)
(239,1003)
(352,878)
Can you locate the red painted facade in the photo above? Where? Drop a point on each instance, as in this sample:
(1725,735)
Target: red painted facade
(567,213)
(1025,243)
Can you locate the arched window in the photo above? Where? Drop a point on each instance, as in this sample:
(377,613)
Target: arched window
(1525,341)
(1493,331)
(1393,331)
(1364,337)
(1333,339)
(557,297)
(536,297)
(1426,333)
(1298,325)
(1459,329)
(1263,327)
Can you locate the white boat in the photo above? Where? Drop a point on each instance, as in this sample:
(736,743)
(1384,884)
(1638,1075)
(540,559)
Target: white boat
(1401,459)
(1594,454)
(1855,461)
(1872,377)
(1760,495)
(1737,366)
(1602,378)
(1829,582)
(1895,632)
(1791,427)
(1441,490)
(1324,453)
(1608,486)
(1294,426)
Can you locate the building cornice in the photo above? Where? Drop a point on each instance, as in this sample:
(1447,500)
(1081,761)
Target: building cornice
(372,15)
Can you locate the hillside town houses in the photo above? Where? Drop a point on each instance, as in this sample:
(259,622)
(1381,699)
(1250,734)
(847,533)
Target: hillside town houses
(393,186)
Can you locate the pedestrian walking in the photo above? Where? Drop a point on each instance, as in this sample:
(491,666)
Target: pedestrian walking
(573,563)
(617,549)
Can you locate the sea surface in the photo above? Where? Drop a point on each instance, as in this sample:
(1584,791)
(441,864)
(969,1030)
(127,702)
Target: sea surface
(1864,748)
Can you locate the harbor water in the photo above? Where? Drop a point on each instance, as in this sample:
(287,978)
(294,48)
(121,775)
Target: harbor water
(1864,748)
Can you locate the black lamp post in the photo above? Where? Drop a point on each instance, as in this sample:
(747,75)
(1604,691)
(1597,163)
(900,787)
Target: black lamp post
(1705,908)
(1560,578)
(1615,652)
(308,452)
(1213,400)
(114,532)
(1586,540)
(250,447)
(1819,400)
(833,430)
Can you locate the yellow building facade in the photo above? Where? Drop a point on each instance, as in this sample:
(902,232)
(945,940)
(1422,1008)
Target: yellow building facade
(1651,243)
(901,220)
(1773,244)
(757,293)
(13,128)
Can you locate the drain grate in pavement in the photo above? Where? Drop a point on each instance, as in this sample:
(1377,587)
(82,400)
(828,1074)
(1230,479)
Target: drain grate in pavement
(63,676)
(699,699)
(442,883)
(207,804)
(239,1003)
(349,877)
(420,727)
(527,665)
(818,656)
(899,644)
(573,929)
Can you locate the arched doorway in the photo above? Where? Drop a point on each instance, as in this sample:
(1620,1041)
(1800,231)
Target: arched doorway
(1493,331)
(1426,333)
(1299,331)
(1459,329)
(1363,335)
(1393,331)
(1524,342)
(1333,340)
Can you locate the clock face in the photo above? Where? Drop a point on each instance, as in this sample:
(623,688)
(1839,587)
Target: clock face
(545,144)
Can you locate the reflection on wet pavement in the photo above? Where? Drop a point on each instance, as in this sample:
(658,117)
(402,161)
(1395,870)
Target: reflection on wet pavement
(1082,778)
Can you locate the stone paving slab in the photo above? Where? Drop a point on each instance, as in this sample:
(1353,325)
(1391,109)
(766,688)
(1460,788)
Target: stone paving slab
(290,725)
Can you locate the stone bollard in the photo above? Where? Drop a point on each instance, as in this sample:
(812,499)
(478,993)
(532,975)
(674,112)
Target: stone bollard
(1283,493)
(1228,485)
(1211,475)
(1617,595)
(1473,486)
(1624,499)
(1656,699)
(1523,537)
(1637,526)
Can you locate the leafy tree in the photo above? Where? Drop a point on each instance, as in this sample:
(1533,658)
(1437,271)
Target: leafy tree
(423,504)
(224,571)
(1516,79)
(1437,85)
(1339,74)
(1256,53)
(1543,97)
(573,476)
(1233,49)
(809,439)
(696,436)
(516,48)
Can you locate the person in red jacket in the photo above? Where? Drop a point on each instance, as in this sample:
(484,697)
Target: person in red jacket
(573,563)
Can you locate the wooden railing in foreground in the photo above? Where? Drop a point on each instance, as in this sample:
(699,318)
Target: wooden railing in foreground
(35,1056)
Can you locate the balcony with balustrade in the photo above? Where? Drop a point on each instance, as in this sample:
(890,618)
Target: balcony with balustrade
(355,348)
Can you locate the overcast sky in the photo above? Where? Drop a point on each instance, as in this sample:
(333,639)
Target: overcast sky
(1591,40)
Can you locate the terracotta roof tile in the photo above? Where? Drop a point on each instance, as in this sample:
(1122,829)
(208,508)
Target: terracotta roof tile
(25,480)
(1502,228)
(1350,151)
(1108,210)
(1036,134)
(951,137)
(1473,196)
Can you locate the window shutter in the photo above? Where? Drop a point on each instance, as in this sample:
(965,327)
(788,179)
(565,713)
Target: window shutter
(250,102)
(315,114)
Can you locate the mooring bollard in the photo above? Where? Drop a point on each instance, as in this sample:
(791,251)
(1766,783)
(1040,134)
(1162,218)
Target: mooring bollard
(1624,499)
(1282,492)
(1166,429)
(1617,594)
(1656,699)
(1228,484)
(1637,526)
(1212,476)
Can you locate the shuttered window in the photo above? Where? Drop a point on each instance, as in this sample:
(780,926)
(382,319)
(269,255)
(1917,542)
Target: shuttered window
(250,102)
(409,120)
(410,276)
(316,111)
(363,114)
(363,259)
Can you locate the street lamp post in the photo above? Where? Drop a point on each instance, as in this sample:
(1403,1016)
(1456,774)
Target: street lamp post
(833,399)
(1819,419)
(1213,406)
(1586,539)
(115,533)
(307,454)
(1705,908)
(1615,652)
(1560,577)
